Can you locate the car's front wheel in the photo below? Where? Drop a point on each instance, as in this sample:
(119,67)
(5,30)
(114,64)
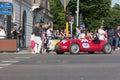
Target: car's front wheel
(57,50)
(107,48)
(74,48)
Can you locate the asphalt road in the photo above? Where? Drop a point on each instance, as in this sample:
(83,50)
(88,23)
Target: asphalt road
(60,67)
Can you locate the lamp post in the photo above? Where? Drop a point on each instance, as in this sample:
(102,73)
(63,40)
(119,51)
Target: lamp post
(78,12)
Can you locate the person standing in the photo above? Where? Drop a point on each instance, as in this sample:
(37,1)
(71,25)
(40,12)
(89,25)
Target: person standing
(2,33)
(44,42)
(111,36)
(14,32)
(117,36)
(49,37)
(38,40)
(101,33)
(49,33)
(20,36)
(32,43)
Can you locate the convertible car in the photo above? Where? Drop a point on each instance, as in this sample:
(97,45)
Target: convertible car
(74,46)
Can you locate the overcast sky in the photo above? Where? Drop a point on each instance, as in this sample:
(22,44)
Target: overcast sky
(115,1)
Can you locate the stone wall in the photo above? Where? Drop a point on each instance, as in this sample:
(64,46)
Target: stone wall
(29,18)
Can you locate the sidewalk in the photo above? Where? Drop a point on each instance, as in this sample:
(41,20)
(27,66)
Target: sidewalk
(23,51)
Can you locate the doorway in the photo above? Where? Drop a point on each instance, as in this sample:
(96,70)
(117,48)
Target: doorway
(24,28)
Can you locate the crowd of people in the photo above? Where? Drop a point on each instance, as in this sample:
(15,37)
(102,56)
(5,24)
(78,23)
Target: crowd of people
(110,35)
(42,34)
(15,33)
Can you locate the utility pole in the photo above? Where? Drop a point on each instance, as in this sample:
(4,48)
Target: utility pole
(65,5)
(78,1)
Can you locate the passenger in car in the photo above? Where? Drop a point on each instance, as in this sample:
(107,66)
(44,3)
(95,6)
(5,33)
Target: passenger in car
(95,39)
(88,37)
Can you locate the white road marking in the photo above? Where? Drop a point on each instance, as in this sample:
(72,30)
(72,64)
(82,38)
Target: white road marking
(12,59)
(5,64)
(9,61)
(22,57)
(1,67)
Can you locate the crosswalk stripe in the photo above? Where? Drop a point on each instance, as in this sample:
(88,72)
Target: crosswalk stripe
(5,64)
(1,67)
(9,61)
(22,57)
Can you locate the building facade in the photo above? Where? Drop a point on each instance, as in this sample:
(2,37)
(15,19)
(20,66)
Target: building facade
(25,13)
(41,10)
(22,16)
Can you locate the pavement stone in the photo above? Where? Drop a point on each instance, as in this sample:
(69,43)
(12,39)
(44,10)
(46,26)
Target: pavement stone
(23,51)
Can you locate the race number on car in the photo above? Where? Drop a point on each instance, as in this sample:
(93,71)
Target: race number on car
(86,45)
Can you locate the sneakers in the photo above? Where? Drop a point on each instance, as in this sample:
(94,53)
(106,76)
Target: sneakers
(44,52)
(117,49)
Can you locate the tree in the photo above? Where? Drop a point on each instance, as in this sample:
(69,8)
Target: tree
(93,11)
(57,11)
(113,20)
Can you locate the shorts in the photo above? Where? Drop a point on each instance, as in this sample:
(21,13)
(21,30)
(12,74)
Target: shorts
(32,44)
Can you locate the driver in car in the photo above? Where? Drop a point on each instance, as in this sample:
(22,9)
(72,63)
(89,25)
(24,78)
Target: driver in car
(95,39)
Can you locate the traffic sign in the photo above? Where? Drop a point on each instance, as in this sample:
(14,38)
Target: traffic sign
(6,12)
(67,1)
(4,5)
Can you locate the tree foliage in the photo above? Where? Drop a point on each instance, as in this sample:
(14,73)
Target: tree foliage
(93,12)
(113,20)
(58,13)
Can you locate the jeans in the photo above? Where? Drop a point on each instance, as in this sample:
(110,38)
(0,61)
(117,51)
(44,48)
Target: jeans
(110,40)
(116,43)
(20,42)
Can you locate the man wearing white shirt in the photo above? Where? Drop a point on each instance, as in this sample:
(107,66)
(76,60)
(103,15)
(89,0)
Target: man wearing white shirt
(101,33)
(38,32)
(49,33)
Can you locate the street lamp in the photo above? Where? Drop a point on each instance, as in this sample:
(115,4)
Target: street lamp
(77,12)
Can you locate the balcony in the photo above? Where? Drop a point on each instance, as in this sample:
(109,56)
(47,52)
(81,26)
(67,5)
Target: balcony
(36,4)
(9,1)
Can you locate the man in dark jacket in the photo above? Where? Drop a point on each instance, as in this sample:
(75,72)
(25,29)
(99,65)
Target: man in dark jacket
(111,36)
(38,32)
(14,32)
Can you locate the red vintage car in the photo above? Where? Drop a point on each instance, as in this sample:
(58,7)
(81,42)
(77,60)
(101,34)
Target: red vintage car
(74,46)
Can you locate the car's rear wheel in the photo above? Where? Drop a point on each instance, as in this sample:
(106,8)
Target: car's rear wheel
(74,48)
(57,50)
(107,49)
